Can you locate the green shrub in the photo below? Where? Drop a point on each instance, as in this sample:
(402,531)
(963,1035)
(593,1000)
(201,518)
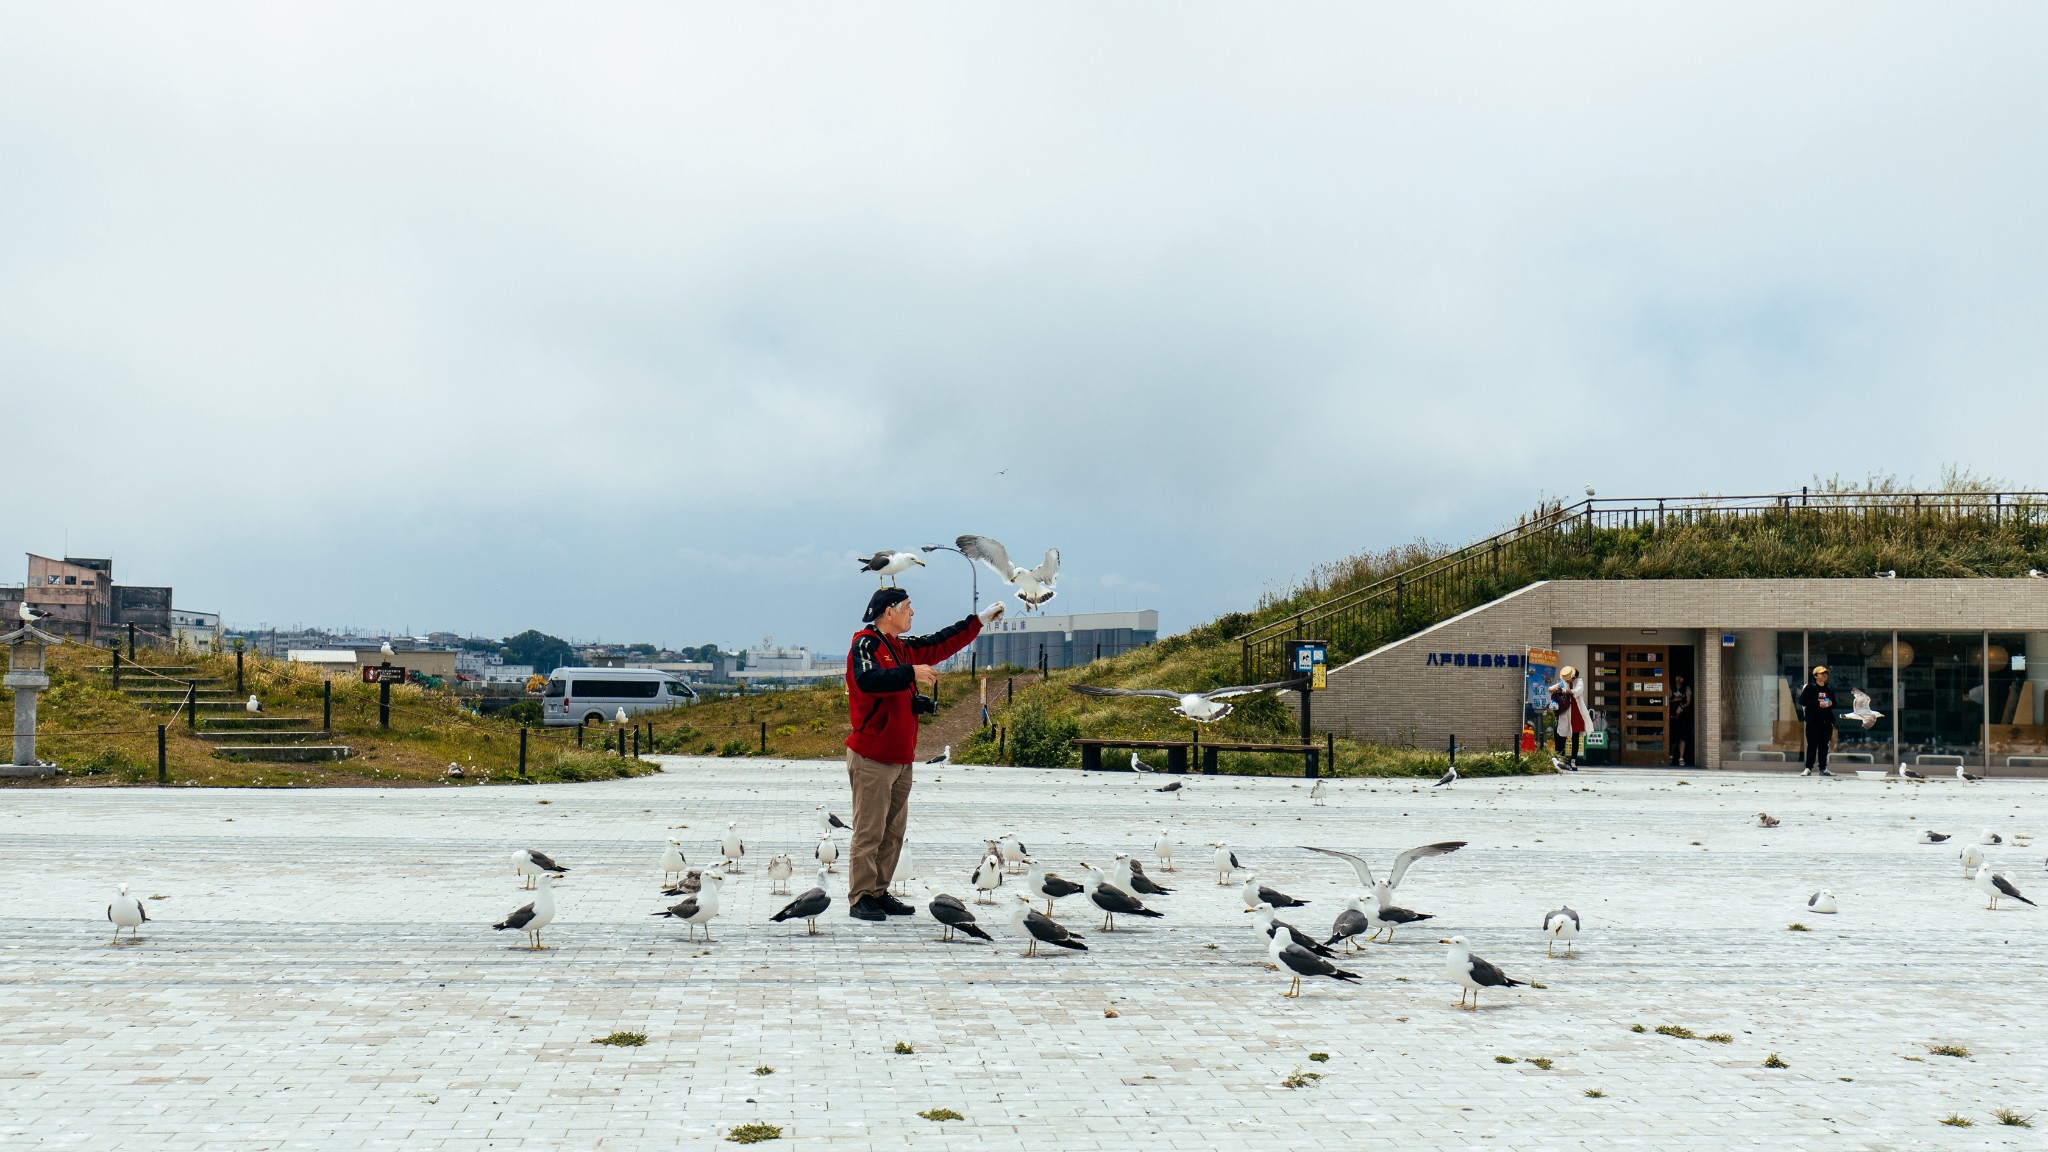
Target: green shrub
(734,748)
(1040,737)
(525,712)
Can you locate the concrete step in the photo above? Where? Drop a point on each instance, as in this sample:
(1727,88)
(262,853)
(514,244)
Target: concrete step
(247,722)
(258,736)
(283,753)
(205,706)
(174,671)
(166,692)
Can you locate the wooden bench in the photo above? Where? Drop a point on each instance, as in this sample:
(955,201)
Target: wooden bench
(1091,752)
(1311,754)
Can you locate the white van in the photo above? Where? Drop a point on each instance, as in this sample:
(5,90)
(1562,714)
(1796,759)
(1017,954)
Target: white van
(594,695)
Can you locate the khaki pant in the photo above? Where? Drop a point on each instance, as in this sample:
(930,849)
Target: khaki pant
(881,811)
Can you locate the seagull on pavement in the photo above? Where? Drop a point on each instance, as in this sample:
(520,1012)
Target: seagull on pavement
(1302,962)
(1966,777)
(780,869)
(697,911)
(1822,902)
(1562,924)
(1351,922)
(1315,792)
(1268,924)
(1472,973)
(1987,836)
(1995,885)
(1013,851)
(1450,776)
(1385,890)
(953,916)
(945,756)
(1174,788)
(733,847)
(1138,765)
(888,565)
(1200,707)
(672,860)
(531,918)
(1226,863)
(809,906)
(1906,773)
(1129,875)
(693,881)
(1113,900)
(1973,859)
(1042,929)
(1256,893)
(1164,848)
(125,912)
(532,863)
(904,872)
(827,852)
(988,876)
(1387,917)
(1050,885)
(1930,836)
(1034,585)
(1766,820)
(829,822)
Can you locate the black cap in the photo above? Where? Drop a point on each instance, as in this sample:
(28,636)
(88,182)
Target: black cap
(883,600)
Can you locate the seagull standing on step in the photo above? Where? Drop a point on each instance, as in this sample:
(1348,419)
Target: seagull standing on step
(1034,585)
(888,565)
(809,906)
(1472,973)
(733,847)
(254,705)
(531,918)
(1299,961)
(1113,900)
(125,912)
(1995,885)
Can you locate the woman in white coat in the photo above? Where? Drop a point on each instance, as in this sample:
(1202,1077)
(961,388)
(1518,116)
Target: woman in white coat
(1568,700)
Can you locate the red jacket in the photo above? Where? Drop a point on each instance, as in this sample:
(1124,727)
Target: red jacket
(879,682)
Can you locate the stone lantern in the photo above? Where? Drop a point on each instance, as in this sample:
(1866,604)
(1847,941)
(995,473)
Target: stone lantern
(27,679)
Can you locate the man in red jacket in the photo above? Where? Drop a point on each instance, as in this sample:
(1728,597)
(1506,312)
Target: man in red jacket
(885,670)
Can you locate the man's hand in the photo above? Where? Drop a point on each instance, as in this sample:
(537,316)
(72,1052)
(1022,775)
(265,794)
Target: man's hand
(992,613)
(924,674)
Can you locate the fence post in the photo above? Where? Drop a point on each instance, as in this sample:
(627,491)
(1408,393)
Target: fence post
(636,741)
(1329,753)
(238,671)
(622,743)
(327,705)
(764,737)
(1009,691)
(131,641)
(522,751)
(162,760)
(384,704)
(579,735)
(1451,749)
(192,705)
(1002,743)
(117,665)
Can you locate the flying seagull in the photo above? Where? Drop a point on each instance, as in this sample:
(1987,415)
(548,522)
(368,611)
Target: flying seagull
(1034,585)
(1351,922)
(1302,962)
(532,863)
(1164,847)
(827,852)
(889,564)
(1226,864)
(809,906)
(697,911)
(1930,836)
(1766,820)
(1200,707)
(1472,973)
(1174,788)
(1995,885)
(1822,902)
(1048,884)
(829,822)
(1562,924)
(1113,900)
(125,912)
(531,918)
(1385,891)
(1862,713)
(1268,925)
(780,869)
(672,860)
(254,705)
(1028,921)
(953,916)
(945,756)
(1966,777)
(1128,873)
(733,847)
(1256,893)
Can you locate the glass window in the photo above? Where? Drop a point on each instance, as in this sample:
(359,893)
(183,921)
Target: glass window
(678,688)
(556,688)
(1858,662)
(1760,680)
(1942,698)
(617,689)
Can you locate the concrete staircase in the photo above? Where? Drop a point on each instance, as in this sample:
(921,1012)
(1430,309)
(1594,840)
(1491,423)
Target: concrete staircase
(224,719)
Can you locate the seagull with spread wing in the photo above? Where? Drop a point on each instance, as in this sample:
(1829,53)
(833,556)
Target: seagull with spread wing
(1385,889)
(1200,707)
(1034,585)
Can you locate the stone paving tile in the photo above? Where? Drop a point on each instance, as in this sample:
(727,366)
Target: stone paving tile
(321,973)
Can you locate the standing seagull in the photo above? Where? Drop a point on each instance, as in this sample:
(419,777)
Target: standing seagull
(1226,863)
(1472,973)
(827,852)
(953,916)
(1315,792)
(733,846)
(888,565)
(691,883)
(945,756)
(1562,924)
(1256,893)
(254,706)
(1387,917)
(1966,777)
(829,821)
(1973,859)
(697,911)
(780,869)
(1385,891)
(1995,885)
(1013,851)
(905,871)
(1302,962)
(1129,874)
(1139,766)
(1268,924)
(533,917)
(1113,900)
(125,912)
(1450,776)
(1200,707)
(532,863)
(672,860)
(809,906)
(1351,922)
(1164,848)
(1906,773)
(29,615)
(385,651)
(988,876)
(1034,585)
(1047,884)
(1028,921)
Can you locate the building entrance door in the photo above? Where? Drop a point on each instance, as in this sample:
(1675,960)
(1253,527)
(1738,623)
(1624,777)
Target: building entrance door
(1637,679)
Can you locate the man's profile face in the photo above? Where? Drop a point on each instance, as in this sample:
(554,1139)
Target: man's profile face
(896,618)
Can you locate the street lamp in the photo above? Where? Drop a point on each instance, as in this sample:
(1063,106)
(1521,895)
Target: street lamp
(973,569)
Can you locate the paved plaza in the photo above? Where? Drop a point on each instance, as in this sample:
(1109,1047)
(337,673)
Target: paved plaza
(320,971)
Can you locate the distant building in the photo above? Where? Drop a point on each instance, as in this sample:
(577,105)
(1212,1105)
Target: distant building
(84,604)
(508,673)
(1065,641)
(195,631)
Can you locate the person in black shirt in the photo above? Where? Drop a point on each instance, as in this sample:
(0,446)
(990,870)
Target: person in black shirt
(1817,706)
(1681,722)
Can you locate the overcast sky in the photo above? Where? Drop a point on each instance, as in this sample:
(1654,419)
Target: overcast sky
(640,321)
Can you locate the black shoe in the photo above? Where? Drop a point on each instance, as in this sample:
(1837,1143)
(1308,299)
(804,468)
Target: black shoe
(867,908)
(894,907)
(1825,772)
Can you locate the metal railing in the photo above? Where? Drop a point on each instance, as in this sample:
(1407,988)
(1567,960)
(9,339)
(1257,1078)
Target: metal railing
(1462,578)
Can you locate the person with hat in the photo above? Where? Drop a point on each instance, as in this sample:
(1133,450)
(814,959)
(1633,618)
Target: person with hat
(1568,700)
(1817,707)
(885,672)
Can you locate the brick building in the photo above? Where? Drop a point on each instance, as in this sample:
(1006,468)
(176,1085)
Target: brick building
(83,602)
(1959,667)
